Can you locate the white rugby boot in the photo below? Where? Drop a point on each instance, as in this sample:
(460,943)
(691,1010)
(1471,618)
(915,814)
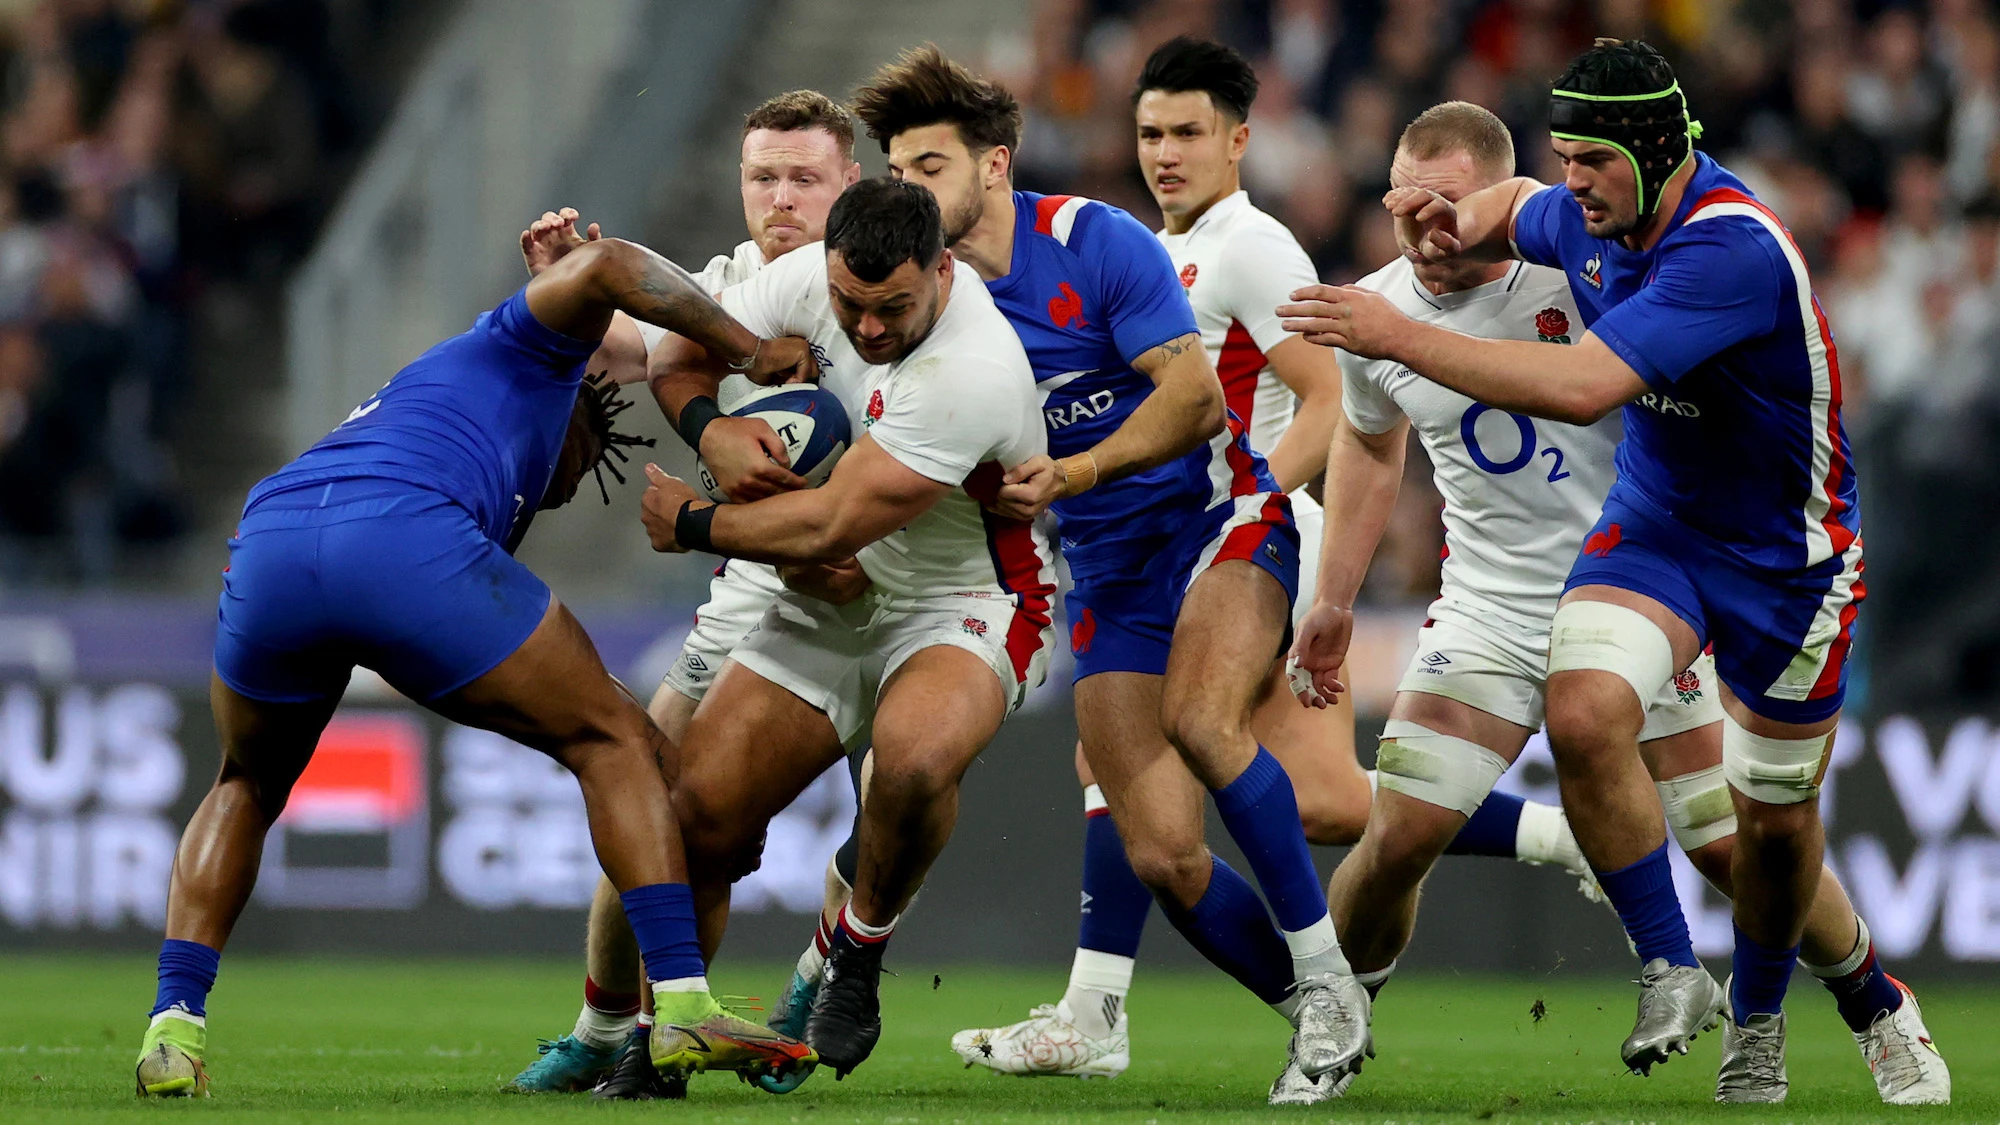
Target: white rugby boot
(1907,1067)
(1048,1042)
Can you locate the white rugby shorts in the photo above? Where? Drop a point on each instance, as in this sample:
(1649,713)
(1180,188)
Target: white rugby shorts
(837,658)
(1504,671)
(737,599)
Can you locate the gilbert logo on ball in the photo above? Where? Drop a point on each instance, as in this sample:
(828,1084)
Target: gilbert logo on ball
(810,420)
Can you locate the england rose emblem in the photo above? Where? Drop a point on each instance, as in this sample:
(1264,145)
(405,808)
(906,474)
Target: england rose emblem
(1552,324)
(875,406)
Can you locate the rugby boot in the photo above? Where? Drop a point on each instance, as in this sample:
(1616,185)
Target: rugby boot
(633,1078)
(1292,1087)
(1907,1067)
(846,1018)
(788,1017)
(1048,1042)
(566,1066)
(1753,1060)
(170,1059)
(721,1040)
(1676,1003)
(1332,1031)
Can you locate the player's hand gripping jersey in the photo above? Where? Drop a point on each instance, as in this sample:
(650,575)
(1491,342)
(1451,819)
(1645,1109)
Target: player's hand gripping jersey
(958,409)
(1735,504)
(1090,290)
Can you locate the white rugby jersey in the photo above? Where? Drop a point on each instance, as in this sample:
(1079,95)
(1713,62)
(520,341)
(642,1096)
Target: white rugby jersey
(960,409)
(1519,493)
(721,272)
(1238,265)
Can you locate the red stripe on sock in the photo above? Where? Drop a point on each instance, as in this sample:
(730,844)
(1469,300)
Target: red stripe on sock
(610,1003)
(848,923)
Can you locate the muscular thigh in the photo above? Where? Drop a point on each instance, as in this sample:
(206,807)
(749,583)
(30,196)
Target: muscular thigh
(1231,627)
(751,748)
(937,711)
(1151,794)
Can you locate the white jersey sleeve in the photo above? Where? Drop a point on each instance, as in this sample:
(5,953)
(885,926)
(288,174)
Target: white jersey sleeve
(1368,405)
(945,428)
(1262,264)
(776,301)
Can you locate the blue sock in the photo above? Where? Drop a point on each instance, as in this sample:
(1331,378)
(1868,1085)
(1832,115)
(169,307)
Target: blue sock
(1760,975)
(1864,993)
(1115,902)
(1230,928)
(1262,815)
(1644,897)
(1491,829)
(187,972)
(662,917)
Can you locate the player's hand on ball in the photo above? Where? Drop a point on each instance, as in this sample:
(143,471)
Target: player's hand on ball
(783,359)
(550,237)
(747,458)
(1426,224)
(835,583)
(661,506)
(1344,316)
(1318,653)
(1027,489)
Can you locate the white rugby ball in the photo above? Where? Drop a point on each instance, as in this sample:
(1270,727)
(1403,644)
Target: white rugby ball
(810,420)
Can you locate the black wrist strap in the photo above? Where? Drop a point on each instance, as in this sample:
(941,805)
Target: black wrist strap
(691,527)
(696,414)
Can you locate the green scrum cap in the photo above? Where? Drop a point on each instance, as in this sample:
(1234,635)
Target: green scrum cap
(1623,93)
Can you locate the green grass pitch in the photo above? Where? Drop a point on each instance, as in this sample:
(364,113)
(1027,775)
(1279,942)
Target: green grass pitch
(421,1041)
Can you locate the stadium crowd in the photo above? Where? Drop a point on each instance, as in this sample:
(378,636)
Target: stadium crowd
(1869,127)
(150,152)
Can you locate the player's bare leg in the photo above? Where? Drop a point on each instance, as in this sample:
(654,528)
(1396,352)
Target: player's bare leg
(1375,890)
(933,716)
(1316,747)
(1594,718)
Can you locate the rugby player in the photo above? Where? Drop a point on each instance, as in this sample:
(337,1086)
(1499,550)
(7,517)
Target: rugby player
(1181,546)
(1520,496)
(797,157)
(952,628)
(1192,107)
(388,545)
(1733,522)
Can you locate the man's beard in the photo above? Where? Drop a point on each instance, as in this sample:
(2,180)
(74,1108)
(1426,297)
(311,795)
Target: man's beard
(962,218)
(1612,228)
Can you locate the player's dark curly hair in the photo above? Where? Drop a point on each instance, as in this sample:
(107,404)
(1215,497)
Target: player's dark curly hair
(923,87)
(1618,67)
(1184,64)
(877,225)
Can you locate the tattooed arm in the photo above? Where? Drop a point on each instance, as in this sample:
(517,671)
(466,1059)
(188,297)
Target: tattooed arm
(577,295)
(1184,410)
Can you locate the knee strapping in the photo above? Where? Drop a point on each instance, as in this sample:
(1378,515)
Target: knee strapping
(1698,807)
(1438,769)
(1776,771)
(1601,637)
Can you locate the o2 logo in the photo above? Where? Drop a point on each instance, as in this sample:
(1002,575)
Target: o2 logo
(1468,431)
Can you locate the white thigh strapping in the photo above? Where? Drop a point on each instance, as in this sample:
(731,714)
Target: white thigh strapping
(1698,807)
(1776,771)
(1438,769)
(1599,636)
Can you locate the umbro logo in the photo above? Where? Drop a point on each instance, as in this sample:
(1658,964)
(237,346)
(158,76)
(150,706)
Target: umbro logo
(696,663)
(1436,659)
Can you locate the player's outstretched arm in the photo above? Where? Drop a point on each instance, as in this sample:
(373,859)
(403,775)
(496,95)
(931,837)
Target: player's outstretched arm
(1364,472)
(1479,227)
(1578,384)
(869,495)
(1313,374)
(578,294)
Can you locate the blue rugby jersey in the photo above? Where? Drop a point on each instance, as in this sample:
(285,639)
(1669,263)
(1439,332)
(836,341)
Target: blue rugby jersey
(479,419)
(1739,434)
(1088,291)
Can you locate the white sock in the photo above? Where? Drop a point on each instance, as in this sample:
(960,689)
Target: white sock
(680,984)
(859,928)
(1374,980)
(1098,983)
(1316,949)
(602,1030)
(179,1013)
(1543,836)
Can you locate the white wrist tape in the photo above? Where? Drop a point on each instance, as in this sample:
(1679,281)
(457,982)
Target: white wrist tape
(1776,771)
(1601,637)
(1437,769)
(1698,807)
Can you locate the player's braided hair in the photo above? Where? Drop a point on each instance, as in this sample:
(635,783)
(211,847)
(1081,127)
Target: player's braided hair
(1623,93)
(591,443)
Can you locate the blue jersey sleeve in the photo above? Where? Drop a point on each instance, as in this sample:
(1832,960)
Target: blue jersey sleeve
(1144,302)
(514,326)
(1535,230)
(1714,288)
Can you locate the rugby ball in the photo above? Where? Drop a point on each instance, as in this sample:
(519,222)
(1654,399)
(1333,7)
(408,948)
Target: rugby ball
(810,420)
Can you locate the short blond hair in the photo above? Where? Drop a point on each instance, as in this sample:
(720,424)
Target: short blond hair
(804,109)
(1450,127)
